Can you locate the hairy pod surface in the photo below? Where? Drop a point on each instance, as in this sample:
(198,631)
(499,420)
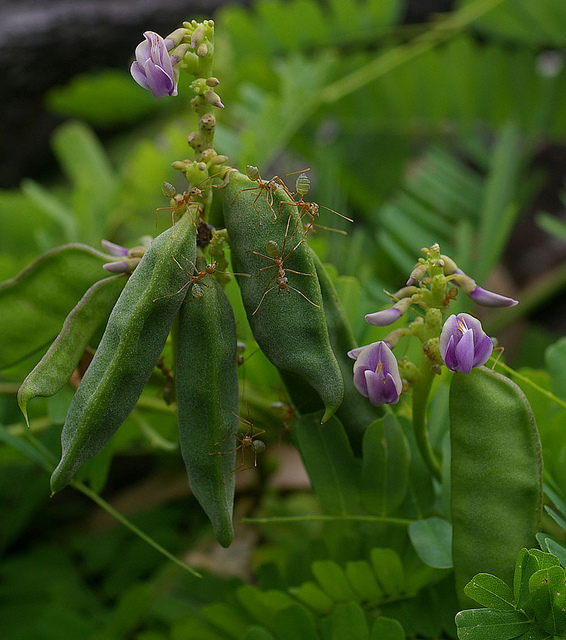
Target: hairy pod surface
(132,342)
(496,483)
(206,381)
(288,323)
(57,365)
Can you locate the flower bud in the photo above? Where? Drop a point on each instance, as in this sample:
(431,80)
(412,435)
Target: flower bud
(376,373)
(449,266)
(212,81)
(175,38)
(122,266)
(202,50)
(214,99)
(481,296)
(418,273)
(179,53)
(114,249)
(389,316)
(197,37)
(463,343)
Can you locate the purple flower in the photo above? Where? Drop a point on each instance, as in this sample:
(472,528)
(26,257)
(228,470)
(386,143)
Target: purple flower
(391,315)
(463,343)
(481,296)
(376,373)
(120,266)
(383,318)
(114,249)
(487,298)
(152,68)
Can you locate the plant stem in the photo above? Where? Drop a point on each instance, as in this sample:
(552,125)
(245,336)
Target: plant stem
(421,391)
(131,526)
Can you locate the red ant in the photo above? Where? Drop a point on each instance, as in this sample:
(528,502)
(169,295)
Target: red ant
(194,278)
(278,260)
(197,276)
(248,443)
(269,186)
(310,209)
(179,200)
(168,391)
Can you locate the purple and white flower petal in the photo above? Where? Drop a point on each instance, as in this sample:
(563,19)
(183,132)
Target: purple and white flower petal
(114,249)
(376,373)
(463,343)
(383,318)
(152,68)
(481,296)
(120,266)
(489,299)
(391,315)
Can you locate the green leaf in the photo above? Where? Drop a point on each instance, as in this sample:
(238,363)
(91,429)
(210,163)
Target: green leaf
(295,622)
(499,211)
(553,546)
(555,360)
(362,579)
(330,463)
(84,160)
(313,596)
(36,302)
(387,629)
(349,622)
(487,624)
(332,579)
(263,605)
(53,208)
(388,571)
(490,591)
(548,599)
(551,225)
(25,448)
(385,466)
(256,633)
(528,563)
(194,627)
(226,618)
(432,539)
(103,99)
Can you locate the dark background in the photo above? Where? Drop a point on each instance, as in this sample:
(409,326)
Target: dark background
(44,43)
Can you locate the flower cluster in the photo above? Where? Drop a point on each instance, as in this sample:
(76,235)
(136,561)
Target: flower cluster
(462,344)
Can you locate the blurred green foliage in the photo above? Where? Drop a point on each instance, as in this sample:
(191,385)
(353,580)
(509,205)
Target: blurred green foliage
(421,133)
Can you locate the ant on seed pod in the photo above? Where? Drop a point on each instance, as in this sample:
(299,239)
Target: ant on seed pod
(179,201)
(269,187)
(249,445)
(309,209)
(278,259)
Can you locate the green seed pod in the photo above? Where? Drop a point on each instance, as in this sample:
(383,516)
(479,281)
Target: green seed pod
(126,356)
(61,359)
(207,402)
(496,484)
(282,297)
(355,412)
